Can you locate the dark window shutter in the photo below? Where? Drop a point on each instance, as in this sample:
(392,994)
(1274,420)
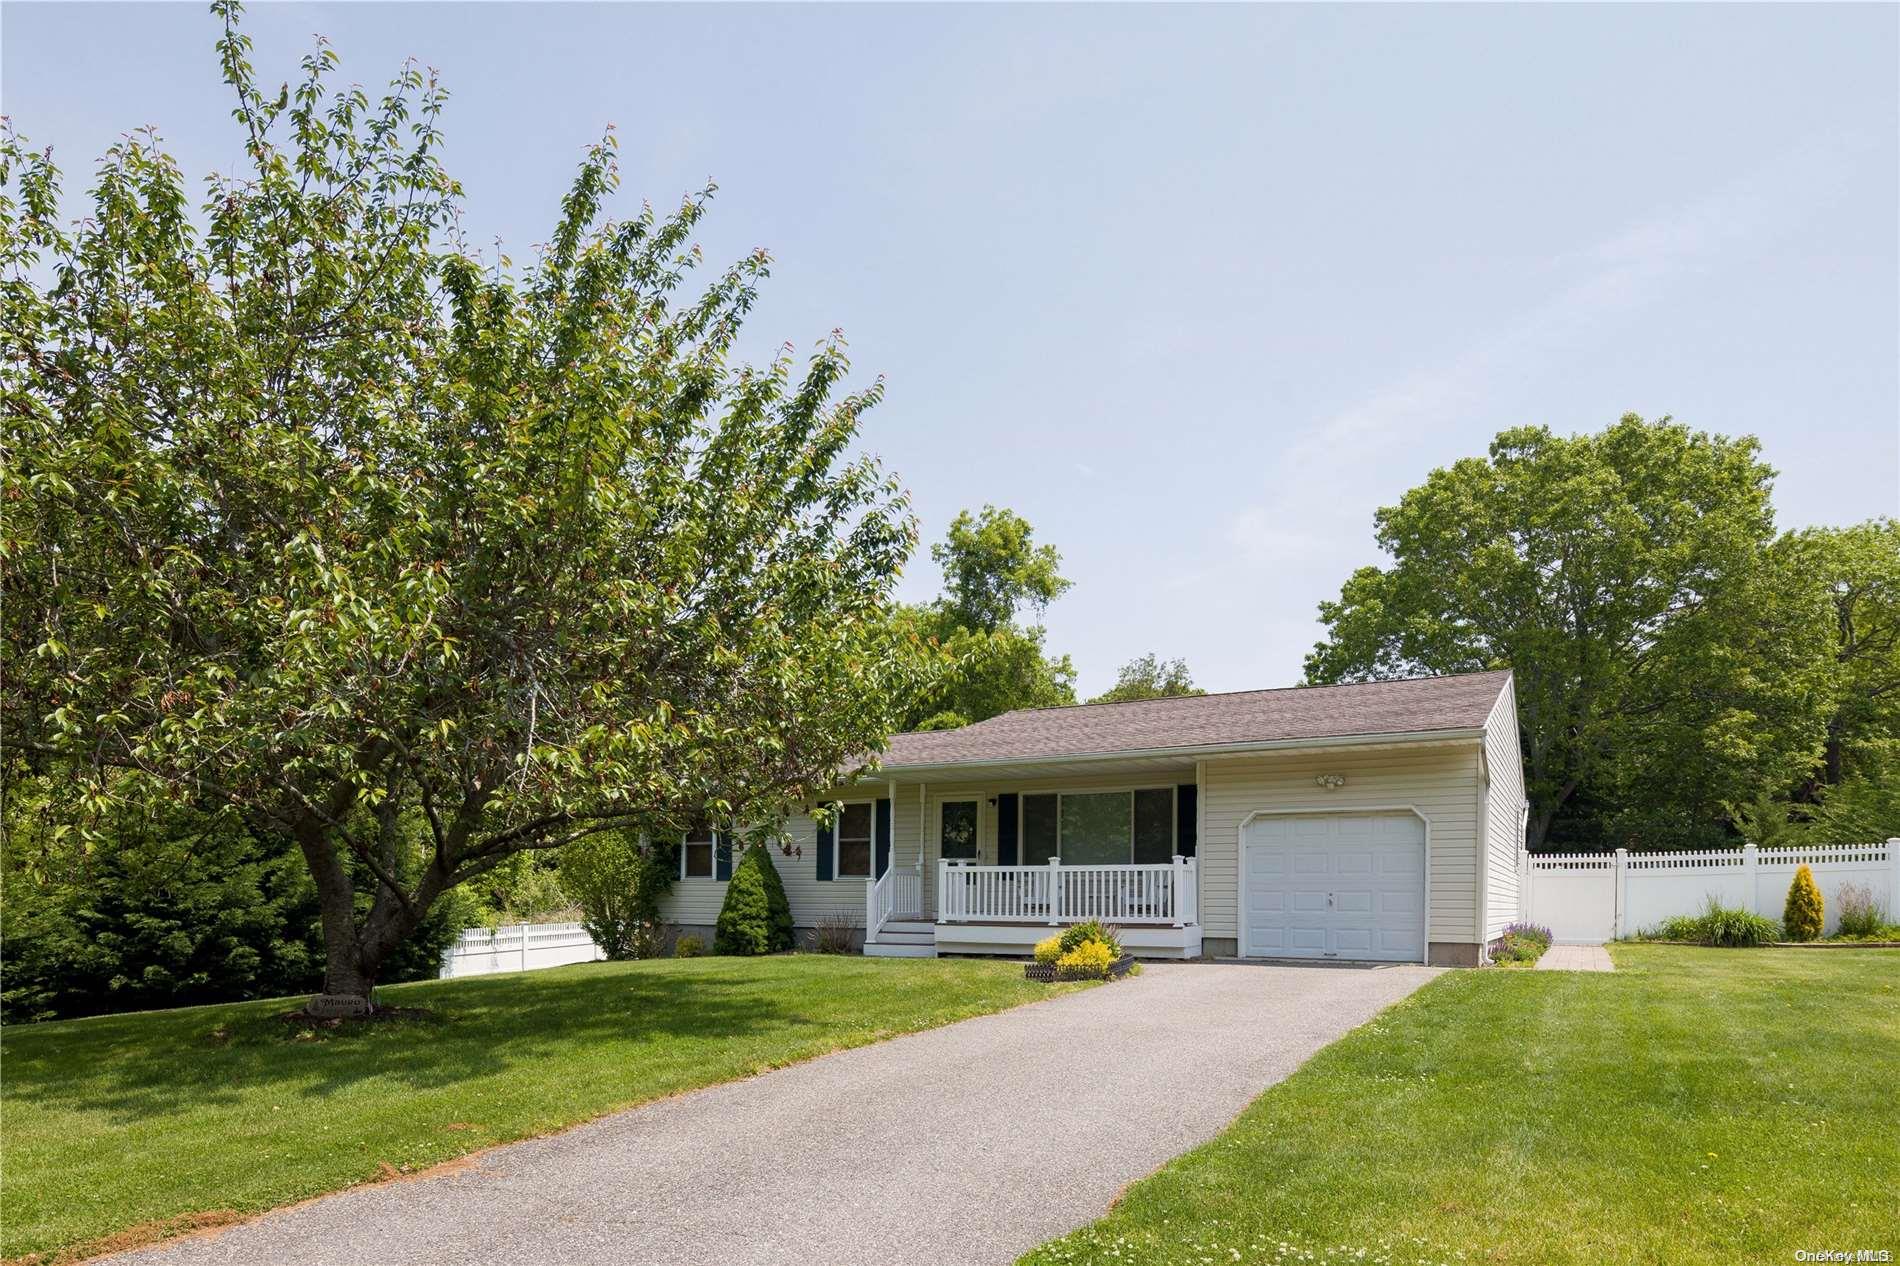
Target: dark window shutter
(1006,830)
(825,836)
(722,855)
(1187,798)
(883,839)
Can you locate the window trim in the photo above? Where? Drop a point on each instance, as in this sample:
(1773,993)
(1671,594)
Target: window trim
(837,838)
(686,840)
(1174,816)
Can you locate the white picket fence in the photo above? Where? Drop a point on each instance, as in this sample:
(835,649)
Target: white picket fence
(1585,898)
(520,947)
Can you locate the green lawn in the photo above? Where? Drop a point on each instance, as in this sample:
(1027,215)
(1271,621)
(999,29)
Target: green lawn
(1698,1106)
(124,1121)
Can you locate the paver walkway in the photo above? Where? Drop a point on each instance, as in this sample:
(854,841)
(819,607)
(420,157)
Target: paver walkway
(966,1144)
(1576,958)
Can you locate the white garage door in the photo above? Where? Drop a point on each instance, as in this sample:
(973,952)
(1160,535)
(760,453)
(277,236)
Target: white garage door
(1334,886)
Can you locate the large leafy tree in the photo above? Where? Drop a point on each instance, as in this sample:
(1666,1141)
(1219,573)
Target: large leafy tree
(417,561)
(1667,659)
(1150,677)
(1860,567)
(991,658)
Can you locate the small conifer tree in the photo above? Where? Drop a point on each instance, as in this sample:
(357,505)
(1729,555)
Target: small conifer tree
(1804,915)
(756,918)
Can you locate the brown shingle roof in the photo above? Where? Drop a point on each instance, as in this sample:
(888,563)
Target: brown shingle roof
(1414,706)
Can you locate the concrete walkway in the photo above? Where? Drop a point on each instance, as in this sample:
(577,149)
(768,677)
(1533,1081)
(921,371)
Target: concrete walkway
(1576,958)
(966,1144)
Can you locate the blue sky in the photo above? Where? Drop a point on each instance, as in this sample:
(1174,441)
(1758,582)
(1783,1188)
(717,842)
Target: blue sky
(1195,289)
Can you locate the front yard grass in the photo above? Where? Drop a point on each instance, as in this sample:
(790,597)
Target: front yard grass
(135,1122)
(1699,1105)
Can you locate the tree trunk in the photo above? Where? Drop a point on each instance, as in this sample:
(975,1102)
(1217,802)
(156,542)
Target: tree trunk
(347,976)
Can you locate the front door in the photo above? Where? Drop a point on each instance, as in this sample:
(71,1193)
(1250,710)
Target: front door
(957,837)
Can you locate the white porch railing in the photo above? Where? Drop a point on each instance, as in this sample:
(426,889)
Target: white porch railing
(1165,893)
(896,891)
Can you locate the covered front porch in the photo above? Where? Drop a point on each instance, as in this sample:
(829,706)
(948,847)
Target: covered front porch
(993,866)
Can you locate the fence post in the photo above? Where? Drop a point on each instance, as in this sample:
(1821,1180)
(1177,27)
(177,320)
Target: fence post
(1055,891)
(1893,878)
(1751,877)
(524,947)
(1622,893)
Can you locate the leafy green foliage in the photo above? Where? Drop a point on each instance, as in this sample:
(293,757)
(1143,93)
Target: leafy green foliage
(1728,927)
(316,515)
(1090,930)
(1804,914)
(689,945)
(755,918)
(620,884)
(1669,657)
(1149,677)
(986,662)
(176,907)
(1521,943)
(992,568)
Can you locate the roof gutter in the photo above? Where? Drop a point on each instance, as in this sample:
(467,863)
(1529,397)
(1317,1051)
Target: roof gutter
(1202,751)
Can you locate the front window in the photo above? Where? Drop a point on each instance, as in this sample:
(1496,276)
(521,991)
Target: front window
(1098,828)
(854,841)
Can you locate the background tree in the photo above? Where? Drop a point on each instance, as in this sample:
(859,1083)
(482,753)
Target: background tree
(1667,659)
(992,569)
(1149,677)
(314,516)
(619,882)
(991,660)
(1860,568)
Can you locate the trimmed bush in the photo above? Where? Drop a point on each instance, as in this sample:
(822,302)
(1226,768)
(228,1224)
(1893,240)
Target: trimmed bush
(1804,915)
(756,918)
(1087,961)
(1050,950)
(689,945)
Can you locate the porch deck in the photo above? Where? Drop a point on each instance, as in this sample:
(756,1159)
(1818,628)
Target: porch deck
(1007,909)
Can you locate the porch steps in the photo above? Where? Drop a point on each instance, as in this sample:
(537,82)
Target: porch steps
(903,938)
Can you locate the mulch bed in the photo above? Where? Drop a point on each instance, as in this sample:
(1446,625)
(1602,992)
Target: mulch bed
(301,1019)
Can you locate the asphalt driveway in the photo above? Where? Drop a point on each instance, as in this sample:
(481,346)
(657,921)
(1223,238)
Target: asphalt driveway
(965,1144)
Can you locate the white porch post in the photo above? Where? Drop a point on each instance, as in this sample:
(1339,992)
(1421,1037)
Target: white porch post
(1055,891)
(1176,890)
(870,907)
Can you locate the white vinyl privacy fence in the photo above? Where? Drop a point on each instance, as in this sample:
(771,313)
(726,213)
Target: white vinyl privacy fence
(522,947)
(1584,898)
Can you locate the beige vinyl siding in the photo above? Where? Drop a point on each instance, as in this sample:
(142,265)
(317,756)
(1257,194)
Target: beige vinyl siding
(1504,814)
(697,901)
(1439,779)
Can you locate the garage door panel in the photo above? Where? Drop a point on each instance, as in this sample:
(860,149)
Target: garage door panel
(1355,902)
(1348,886)
(1306,940)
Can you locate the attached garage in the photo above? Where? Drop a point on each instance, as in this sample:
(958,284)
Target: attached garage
(1345,886)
